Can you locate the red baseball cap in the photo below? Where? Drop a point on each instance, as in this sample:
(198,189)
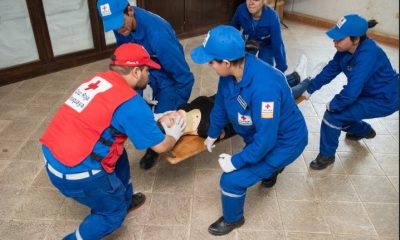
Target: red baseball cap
(132,54)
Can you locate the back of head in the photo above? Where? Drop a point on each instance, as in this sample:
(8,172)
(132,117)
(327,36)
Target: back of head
(221,43)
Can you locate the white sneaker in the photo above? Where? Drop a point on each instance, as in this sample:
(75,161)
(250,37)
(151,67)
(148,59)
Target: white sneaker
(301,67)
(317,69)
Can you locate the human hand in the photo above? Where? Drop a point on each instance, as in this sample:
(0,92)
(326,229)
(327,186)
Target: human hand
(176,130)
(225,163)
(209,142)
(306,95)
(148,95)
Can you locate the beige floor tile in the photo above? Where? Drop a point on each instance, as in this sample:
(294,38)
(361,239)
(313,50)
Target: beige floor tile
(18,130)
(17,97)
(9,148)
(382,144)
(40,204)
(165,232)
(347,218)
(4,124)
(355,237)
(307,110)
(375,189)
(303,216)
(313,124)
(259,235)
(175,179)
(20,174)
(23,229)
(128,231)
(395,182)
(35,84)
(9,200)
(384,217)
(141,215)
(261,214)
(334,188)
(207,183)
(391,125)
(142,181)
(335,168)
(197,233)
(31,151)
(72,210)
(42,180)
(360,163)
(389,163)
(169,209)
(205,211)
(60,228)
(313,142)
(294,186)
(298,166)
(308,236)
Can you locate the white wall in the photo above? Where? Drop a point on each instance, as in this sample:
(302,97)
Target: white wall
(386,12)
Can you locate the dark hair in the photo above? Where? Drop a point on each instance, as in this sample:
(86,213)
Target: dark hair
(233,62)
(371,23)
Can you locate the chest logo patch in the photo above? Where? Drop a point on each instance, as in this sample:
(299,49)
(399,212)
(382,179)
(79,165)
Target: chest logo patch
(85,93)
(244,120)
(267,110)
(105,10)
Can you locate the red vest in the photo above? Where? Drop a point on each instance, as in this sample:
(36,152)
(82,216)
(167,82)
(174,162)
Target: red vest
(77,126)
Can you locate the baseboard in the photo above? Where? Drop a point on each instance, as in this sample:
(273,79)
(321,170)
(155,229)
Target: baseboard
(324,23)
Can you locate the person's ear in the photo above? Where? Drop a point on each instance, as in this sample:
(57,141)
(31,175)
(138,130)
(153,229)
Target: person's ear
(227,63)
(136,71)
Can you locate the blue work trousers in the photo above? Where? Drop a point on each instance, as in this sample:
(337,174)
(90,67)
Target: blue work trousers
(107,195)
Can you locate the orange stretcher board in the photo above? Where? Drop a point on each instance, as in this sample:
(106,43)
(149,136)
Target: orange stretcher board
(190,145)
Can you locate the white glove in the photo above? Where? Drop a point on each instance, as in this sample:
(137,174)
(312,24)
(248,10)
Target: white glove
(148,95)
(209,142)
(225,163)
(306,95)
(328,107)
(159,115)
(176,130)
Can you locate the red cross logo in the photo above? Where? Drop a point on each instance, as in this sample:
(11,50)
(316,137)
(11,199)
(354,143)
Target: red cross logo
(267,106)
(104,7)
(93,85)
(243,117)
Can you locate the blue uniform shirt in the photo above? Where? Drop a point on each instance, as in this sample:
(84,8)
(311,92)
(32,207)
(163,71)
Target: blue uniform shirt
(133,118)
(158,38)
(267,32)
(261,109)
(369,75)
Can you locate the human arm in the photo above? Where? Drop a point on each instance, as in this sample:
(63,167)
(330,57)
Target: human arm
(363,66)
(278,47)
(218,115)
(235,22)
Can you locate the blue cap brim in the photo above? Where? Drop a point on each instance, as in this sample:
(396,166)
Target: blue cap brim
(114,22)
(336,34)
(200,56)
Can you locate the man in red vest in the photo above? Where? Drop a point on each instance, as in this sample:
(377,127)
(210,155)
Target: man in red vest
(83,145)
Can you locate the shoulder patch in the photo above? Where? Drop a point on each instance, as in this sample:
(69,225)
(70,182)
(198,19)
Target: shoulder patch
(267,110)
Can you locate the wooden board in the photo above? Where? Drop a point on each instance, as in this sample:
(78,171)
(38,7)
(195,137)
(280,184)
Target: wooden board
(190,145)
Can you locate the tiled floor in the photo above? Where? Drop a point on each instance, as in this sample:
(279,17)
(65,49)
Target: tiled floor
(357,198)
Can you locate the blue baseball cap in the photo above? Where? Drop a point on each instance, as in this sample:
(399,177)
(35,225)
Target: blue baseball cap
(351,25)
(112,13)
(221,43)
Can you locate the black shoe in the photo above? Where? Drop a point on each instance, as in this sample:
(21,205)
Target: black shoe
(149,159)
(138,200)
(270,182)
(353,137)
(322,162)
(220,227)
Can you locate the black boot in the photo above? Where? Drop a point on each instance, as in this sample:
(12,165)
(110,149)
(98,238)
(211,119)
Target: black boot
(270,182)
(322,162)
(220,227)
(353,137)
(149,159)
(138,200)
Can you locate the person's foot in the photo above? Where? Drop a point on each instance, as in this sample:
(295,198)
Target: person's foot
(353,137)
(138,200)
(322,162)
(220,227)
(301,67)
(270,182)
(148,160)
(317,69)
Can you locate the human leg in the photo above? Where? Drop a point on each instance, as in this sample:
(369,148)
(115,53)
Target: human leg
(300,88)
(233,194)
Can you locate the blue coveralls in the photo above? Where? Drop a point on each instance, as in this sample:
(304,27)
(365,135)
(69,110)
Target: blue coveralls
(263,112)
(372,91)
(107,195)
(173,83)
(266,31)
